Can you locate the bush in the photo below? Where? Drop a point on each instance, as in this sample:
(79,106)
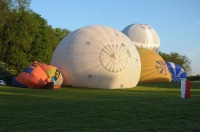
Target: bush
(194,78)
(6,72)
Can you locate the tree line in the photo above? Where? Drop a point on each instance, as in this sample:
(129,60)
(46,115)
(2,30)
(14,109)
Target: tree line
(181,60)
(25,37)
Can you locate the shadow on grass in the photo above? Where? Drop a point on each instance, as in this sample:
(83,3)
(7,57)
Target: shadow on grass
(161,84)
(194,85)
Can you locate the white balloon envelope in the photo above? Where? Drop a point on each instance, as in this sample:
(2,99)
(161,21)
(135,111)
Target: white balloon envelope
(97,57)
(143,35)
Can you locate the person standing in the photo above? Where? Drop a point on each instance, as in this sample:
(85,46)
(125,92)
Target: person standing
(48,85)
(52,82)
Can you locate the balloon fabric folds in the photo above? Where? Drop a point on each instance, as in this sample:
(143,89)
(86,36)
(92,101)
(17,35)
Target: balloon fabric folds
(35,76)
(153,67)
(176,71)
(97,57)
(143,35)
(53,71)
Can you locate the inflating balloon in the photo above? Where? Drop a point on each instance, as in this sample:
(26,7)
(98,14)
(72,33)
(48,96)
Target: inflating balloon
(54,72)
(143,35)
(97,57)
(153,67)
(35,76)
(176,71)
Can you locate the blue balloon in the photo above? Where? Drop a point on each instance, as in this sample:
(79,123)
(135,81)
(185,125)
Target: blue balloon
(176,71)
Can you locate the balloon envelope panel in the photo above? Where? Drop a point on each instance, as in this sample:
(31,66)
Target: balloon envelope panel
(143,35)
(153,67)
(32,77)
(53,71)
(35,76)
(97,57)
(176,71)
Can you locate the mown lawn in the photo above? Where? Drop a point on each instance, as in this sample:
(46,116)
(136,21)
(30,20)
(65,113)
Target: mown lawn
(147,107)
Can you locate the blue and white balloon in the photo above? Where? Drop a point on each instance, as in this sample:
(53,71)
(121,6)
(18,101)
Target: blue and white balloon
(176,71)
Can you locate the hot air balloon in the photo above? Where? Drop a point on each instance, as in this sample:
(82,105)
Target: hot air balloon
(143,35)
(176,71)
(97,57)
(35,76)
(153,67)
(32,77)
(54,72)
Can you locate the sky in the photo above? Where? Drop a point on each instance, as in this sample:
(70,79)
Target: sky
(177,22)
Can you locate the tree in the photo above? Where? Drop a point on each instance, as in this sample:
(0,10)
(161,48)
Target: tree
(25,36)
(61,33)
(181,60)
(14,36)
(40,49)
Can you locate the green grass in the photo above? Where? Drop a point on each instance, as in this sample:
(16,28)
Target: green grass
(147,107)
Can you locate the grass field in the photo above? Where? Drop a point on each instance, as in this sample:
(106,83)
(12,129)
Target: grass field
(147,107)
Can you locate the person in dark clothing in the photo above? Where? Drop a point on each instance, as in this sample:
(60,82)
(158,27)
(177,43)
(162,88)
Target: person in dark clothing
(48,85)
